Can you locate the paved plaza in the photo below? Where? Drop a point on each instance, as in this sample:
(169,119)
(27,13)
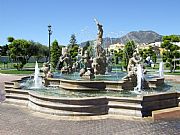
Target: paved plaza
(16,120)
(21,121)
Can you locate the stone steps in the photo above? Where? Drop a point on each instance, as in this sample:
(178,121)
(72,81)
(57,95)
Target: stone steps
(7,86)
(125,99)
(125,106)
(126,112)
(17,96)
(17,91)
(17,101)
(9,83)
(59,106)
(44,109)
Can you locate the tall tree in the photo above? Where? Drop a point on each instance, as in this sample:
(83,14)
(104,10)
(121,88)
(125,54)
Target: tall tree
(55,53)
(73,40)
(171,51)
(128,53)
(73,47)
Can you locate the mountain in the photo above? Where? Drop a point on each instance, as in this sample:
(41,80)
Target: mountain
(141,37)
(136,36)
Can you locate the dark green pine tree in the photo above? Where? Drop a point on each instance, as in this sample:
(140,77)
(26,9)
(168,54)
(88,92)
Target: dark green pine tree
(73,47)
(55,53)
(128,53)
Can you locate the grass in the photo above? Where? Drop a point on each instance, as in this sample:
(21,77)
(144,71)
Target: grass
(10,65)
(32,65)
(16,72)
(173,73)
(28,65)
(9,68)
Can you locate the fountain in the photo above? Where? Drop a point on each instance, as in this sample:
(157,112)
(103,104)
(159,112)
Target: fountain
(37,79)
(161,70)
(140,78)
(86,94)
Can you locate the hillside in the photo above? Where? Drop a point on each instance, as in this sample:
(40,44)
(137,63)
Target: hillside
(137,36)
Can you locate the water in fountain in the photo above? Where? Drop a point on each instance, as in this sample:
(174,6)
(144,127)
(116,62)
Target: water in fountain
(161,70)
(140,78)
(37,79)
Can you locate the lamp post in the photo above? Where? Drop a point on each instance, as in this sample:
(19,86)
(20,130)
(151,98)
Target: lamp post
(49,33)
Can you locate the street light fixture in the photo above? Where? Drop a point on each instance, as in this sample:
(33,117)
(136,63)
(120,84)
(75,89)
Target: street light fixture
(49,33)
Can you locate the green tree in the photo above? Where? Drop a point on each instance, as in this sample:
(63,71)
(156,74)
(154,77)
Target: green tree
(55,53)
(10,39)
(32,50)
(19,52)
(86,47)
(148,52)
(4,50)
(73,47)
(154,57)
(129,48)
(171,38)
(38,50)
(171,51)
(118,56)
(73,40)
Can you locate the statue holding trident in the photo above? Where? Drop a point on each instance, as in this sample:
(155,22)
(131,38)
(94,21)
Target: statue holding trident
(99,48)
(100,32)
(99,61)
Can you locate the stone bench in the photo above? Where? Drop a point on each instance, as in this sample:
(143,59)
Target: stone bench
(165,114)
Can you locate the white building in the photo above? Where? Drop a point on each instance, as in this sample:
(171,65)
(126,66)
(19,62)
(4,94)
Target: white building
(116,47)
(158,44)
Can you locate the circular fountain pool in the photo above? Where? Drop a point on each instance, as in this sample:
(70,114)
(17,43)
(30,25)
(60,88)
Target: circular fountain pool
(55,100)
(55,91)
(113,76)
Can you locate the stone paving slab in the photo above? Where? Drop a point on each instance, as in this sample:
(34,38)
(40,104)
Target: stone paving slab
(15,120)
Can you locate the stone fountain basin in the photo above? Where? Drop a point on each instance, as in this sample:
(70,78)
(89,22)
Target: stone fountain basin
(141,106)
(101,85)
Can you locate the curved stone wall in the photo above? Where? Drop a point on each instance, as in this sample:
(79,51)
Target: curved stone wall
(100,85)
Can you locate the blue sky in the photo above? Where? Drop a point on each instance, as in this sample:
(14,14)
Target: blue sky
(28,19)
